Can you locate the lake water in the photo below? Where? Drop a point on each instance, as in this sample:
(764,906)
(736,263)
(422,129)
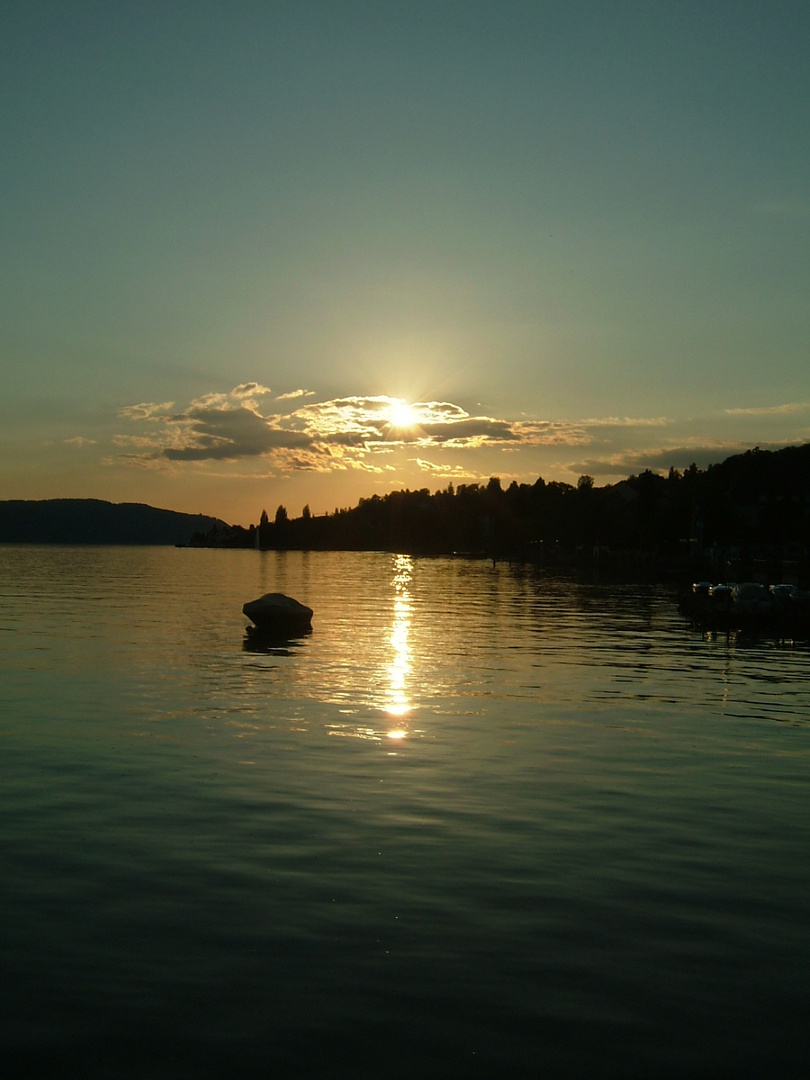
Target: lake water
(480,823)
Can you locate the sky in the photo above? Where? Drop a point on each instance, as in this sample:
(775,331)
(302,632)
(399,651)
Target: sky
(263,253)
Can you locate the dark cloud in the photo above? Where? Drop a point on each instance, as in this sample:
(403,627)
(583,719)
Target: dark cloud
(302,460)
(218,434)
(349,438)
(473,429)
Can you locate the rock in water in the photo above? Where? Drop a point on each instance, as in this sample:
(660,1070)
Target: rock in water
(279,614)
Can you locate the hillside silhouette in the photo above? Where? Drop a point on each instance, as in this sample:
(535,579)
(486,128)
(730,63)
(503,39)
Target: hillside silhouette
(752,506)
(94,521)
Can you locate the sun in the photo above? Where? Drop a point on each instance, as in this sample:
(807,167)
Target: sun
(402,415)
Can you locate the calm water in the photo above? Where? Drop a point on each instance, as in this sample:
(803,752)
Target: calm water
(480,823)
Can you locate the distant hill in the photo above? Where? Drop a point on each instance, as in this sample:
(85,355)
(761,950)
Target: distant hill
(93,521)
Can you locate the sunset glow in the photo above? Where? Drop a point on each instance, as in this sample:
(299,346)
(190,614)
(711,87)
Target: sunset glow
(253,271)
(402,415)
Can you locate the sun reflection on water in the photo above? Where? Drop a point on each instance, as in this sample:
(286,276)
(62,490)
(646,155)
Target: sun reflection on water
(398,704)
(389,666)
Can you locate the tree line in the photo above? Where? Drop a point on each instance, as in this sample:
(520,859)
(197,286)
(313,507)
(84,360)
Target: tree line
(760,497)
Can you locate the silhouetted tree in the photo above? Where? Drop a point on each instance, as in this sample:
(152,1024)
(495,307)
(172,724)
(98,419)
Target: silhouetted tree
(264,530)
(757,498)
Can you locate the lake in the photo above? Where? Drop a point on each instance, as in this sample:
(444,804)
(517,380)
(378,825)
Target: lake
(482,822)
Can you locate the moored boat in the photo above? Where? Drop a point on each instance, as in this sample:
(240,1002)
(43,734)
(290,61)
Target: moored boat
(275,613)
(783,610)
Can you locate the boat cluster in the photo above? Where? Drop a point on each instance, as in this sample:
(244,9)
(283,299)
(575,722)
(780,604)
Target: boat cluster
(784,608)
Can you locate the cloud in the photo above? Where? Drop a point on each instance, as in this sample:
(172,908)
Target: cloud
(447,472)
(363,422)
(659,459)
(145,411)
(208,401)
(627,421)
(551,433)
(341,417)
(349,432)
(213,432)
(137,441)
(141,461)
(339,433)
(79,440)
(363,466)
(788,409)
(288,461)
(472,431)
(249,390)
(295,394)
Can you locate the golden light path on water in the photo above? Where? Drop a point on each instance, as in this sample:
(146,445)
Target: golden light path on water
(398,705)
(390,669)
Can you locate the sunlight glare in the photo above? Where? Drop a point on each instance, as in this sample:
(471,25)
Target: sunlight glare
(398,704)
(402,415)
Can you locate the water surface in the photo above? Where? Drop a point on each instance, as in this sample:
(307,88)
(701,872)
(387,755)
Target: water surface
(480,822)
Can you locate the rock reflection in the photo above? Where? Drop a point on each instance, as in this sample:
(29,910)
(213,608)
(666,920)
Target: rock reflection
(274,644)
